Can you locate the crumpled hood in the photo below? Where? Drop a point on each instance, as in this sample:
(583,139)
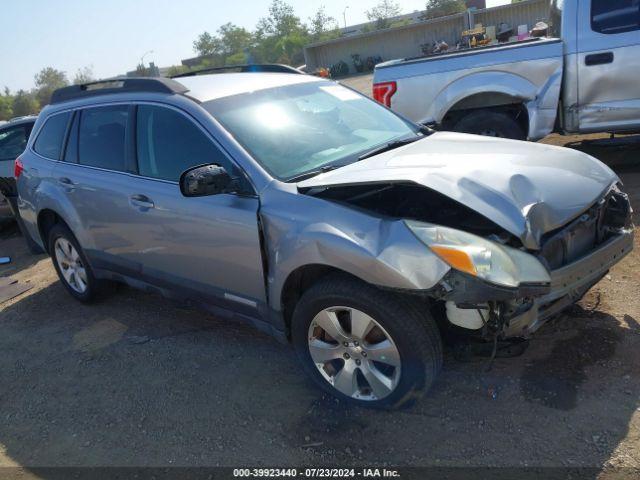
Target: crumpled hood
(526,188)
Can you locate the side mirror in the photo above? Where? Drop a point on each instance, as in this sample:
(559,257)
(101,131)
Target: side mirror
(205,180)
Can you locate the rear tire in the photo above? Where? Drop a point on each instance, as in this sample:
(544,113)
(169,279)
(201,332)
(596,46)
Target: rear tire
(490,124)
(72,265)
(406,325)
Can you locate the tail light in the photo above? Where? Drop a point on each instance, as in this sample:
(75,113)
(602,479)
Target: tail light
(382,92)
(18,168)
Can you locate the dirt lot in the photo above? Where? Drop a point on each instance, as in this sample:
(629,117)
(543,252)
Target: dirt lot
(137,380)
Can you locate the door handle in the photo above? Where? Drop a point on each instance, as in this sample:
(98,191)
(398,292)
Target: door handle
(141,201)
(67,183)
(598,59)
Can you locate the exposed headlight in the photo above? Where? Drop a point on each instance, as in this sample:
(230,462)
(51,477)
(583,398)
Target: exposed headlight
(480,257)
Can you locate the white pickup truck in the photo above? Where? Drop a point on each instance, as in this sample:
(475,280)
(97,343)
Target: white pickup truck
(586,79)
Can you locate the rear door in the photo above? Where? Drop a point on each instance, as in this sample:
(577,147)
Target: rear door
(609,65)
(136,222)
(93,178)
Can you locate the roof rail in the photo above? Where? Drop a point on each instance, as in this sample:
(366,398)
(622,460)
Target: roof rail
(118,85)
(258,67)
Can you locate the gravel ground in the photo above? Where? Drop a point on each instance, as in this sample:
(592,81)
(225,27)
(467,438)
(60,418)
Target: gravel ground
(137,380)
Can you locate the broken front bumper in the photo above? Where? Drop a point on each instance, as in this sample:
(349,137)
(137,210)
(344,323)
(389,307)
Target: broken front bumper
(570,283)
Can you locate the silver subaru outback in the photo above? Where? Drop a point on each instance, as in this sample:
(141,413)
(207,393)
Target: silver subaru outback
(319,216)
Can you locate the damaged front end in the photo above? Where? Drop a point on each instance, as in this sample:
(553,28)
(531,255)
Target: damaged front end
(497,288)
(575,256)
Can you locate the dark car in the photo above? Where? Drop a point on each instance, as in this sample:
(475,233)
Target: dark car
(13,140)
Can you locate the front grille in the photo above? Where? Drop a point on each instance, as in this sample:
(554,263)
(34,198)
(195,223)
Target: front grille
(584,234)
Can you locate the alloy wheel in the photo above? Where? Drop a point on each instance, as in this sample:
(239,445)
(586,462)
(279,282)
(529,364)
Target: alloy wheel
(354,353)
(70,265)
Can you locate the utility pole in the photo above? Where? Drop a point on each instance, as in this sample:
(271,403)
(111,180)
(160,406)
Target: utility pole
(144,55)
(344,16)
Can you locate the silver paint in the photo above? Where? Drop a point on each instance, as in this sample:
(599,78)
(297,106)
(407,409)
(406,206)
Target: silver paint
(217,245)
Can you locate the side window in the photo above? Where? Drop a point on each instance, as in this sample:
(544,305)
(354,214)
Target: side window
(51,136)
(101,137)
(13,142)
(71,150)
(168,143)
(615,16)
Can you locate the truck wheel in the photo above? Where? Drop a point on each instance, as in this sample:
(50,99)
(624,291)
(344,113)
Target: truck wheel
(490,124)
(364,345)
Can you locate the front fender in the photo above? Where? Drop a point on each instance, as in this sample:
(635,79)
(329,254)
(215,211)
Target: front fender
(305,230)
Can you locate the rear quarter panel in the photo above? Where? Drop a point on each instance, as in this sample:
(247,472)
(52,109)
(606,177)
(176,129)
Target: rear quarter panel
(37,192)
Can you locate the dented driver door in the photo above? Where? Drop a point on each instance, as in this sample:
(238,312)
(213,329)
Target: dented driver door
(608,65)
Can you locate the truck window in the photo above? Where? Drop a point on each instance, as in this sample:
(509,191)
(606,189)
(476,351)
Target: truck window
(615,16)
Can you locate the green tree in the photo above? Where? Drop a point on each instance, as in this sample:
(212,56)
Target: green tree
(177,70)
(229,41)
(440,8)
(83,75)
(233,39)
(279,37)
(282,20)
(322,24)
(239,58)
(381,13)
(206,44)
(25,103)
(6,105)
(47,80)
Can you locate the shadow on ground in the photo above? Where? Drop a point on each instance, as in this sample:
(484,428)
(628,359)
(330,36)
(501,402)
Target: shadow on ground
(137,380)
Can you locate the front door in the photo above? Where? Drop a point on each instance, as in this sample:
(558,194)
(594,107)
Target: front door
(206,245)
(609,65)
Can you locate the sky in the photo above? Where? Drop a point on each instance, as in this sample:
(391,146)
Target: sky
(112,36)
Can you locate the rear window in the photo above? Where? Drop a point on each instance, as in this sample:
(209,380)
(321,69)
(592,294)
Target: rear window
(615,16)
(51,136)
(101,138)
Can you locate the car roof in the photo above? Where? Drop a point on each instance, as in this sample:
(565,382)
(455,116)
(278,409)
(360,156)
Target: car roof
(204,88)
(201,88)
(19,121)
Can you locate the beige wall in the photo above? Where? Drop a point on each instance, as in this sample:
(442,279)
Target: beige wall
(402,42)
(517,14)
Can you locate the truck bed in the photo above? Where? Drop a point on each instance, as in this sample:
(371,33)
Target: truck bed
(434,89)
(532,49)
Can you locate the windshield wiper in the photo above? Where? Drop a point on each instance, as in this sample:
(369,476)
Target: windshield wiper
(388,146)
(313,173)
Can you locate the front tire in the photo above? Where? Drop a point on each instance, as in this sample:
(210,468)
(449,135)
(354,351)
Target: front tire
(364,345)
(71,264)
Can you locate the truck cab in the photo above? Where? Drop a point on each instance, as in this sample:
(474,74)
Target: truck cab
(600,90)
